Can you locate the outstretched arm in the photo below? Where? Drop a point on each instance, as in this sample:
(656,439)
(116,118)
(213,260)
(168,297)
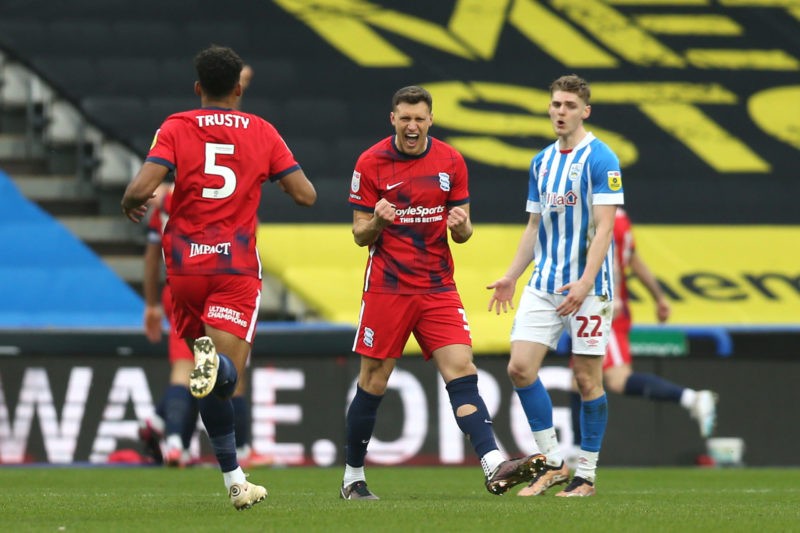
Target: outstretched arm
(642,271)
(153,314)
(504,288)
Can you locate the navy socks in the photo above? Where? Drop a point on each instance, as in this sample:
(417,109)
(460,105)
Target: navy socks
(360,424)
(653,387)
(241,412)
(575,408)
(178,407)
(217,412)
(478,425)
(218,418)
(227,376)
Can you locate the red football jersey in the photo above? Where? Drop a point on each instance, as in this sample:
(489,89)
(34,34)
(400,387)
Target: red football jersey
(623,249)
(158,219)
(412,255)
(221,157)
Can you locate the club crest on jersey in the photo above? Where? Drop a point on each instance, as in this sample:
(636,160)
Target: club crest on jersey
(355,183)
(369,337)
(614,180)
(575,170)
(444,181)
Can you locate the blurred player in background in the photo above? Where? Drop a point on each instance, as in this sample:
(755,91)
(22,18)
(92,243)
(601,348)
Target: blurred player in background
(221,157)
(618,374)
(574,188)
(168,433)
(407,192)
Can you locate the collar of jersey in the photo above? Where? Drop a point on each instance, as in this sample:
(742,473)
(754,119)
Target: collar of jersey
(409,156)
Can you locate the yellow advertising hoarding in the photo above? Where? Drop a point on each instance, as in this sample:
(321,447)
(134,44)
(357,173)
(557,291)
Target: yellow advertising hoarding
(723,275)
(713,275)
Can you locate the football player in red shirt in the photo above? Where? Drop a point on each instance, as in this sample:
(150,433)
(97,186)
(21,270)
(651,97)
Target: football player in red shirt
(618,374)
(407,192)
(168,432)
(221,157)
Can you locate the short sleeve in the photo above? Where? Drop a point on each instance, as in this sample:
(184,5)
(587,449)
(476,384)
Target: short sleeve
(606,177)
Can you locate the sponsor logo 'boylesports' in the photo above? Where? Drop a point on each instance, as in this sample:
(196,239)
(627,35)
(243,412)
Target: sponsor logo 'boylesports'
(419,210)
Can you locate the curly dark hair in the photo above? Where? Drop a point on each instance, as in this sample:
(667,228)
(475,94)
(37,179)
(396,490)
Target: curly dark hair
(572,83)
(218,70)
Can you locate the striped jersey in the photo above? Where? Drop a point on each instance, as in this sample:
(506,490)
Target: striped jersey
(412,255)
(563,187)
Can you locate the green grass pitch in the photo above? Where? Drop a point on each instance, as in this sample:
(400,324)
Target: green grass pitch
(412,499)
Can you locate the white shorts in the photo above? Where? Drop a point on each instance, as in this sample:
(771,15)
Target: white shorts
(537,321)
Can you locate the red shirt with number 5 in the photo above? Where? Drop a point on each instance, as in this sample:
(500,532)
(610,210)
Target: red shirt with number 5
(221,158)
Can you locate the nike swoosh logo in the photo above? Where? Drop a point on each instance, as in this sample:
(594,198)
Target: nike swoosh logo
(393,185)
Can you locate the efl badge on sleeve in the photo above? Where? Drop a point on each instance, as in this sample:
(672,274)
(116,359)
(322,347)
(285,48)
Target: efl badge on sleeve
(355,183)
(155,139)
(444,181)
(614,180)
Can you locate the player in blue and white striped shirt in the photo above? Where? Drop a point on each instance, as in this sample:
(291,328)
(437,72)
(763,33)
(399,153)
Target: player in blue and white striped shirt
(574,189)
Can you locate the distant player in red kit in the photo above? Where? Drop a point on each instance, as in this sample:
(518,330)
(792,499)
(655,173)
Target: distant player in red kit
(618,374)
(221,157)
(168,432)
(407,192)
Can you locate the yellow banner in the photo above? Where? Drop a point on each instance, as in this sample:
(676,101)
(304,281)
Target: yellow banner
(713,275)
(723,275)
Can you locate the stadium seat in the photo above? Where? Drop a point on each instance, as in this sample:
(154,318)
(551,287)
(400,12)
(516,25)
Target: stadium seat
(164,106)
(313,154)
(274,78)
(267,109)
(123,76)
(121,115)
(347,150)
(74,77)
(81,37)
(161,107)
(176,77)
(199,34)
(24,37)
(150,38)
(314,116)
(141,145)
